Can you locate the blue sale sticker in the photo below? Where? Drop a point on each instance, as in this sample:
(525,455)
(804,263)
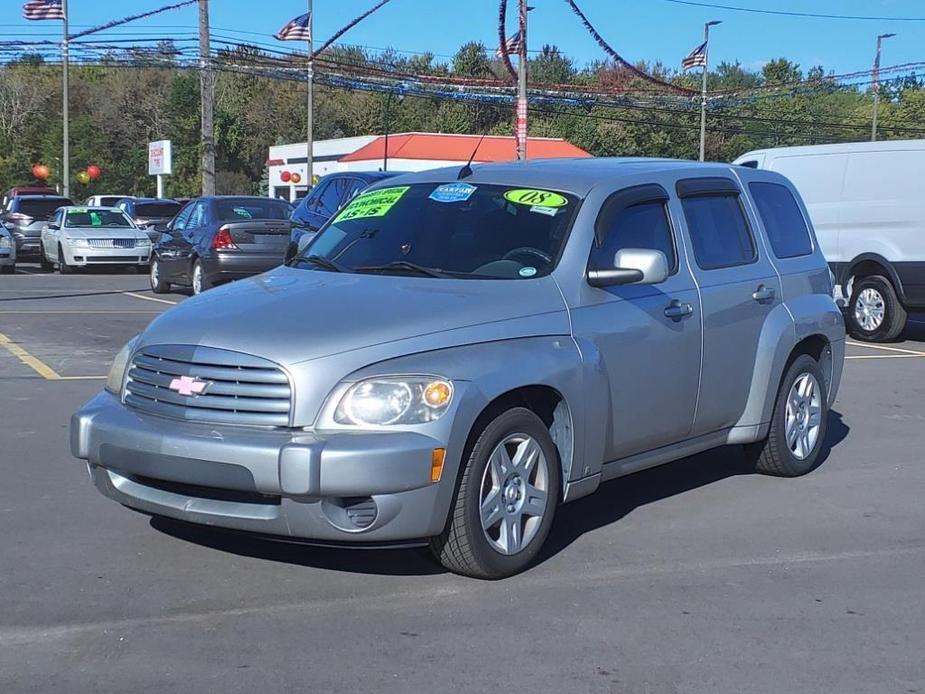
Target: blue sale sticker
(452,192)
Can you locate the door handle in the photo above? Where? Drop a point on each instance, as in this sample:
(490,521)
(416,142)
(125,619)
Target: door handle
(677,310)
(763,294)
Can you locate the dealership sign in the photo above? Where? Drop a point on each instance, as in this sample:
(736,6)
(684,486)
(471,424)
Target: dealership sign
(160,158)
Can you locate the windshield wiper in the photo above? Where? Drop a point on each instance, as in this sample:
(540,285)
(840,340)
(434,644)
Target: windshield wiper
(403,265)
(318,261)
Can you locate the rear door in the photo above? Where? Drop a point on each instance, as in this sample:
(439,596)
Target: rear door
(738,290)
(173,249)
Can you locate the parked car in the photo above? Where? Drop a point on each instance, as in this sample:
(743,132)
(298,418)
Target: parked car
(105,200)
(150,215)
(328,196)
(25,217)
(867,202)
(16,191)
(7,253)
(457,357)
(84,236)
(217,239)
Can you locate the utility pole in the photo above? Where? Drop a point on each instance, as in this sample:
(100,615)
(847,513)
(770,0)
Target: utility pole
(65,108)
(206,88)
(876,86)
(522,84)
(310,156)
(703,88)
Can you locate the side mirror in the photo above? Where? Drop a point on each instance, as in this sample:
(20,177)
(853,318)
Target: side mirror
(53,227)
(632,266)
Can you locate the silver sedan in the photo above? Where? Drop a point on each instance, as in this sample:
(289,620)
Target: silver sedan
(84,236)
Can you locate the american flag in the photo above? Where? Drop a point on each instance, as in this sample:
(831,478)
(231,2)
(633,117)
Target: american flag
(43,9)
(299,29)
(696,58)
(512,45)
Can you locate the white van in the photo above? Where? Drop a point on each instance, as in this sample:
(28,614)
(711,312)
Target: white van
(867,203)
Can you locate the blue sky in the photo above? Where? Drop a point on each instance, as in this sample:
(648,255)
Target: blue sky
(638,29)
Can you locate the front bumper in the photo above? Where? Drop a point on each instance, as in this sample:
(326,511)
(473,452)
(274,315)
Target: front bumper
(282,483)
(27,246)
(82,256)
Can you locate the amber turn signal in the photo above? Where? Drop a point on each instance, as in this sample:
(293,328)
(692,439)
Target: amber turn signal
(436,464)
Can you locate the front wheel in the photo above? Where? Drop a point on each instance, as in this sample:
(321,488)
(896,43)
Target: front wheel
(506,499)
(875,313)
(158,285)
(63,267)
(798,424)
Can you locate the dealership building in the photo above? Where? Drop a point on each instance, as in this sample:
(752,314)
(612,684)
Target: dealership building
(406,152)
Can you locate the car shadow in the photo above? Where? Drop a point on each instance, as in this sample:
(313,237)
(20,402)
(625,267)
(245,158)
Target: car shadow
(613,501)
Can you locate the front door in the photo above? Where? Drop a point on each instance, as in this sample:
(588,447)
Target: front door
(738,290)
(647,336)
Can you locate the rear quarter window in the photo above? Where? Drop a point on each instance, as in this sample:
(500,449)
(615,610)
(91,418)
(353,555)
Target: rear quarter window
(783,221)
(718,230)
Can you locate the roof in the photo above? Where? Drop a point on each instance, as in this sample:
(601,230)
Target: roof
(841,148)
(368,176)
(577,176)
(448,147)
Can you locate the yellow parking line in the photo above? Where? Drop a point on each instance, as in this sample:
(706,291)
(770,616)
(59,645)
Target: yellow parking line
(81,378)
(149,298)
(887,349)
(34,363)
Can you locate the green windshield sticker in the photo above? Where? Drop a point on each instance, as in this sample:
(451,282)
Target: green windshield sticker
(95,219)
(535,198)
(375,203)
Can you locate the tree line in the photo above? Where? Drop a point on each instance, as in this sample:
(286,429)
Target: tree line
(123,101)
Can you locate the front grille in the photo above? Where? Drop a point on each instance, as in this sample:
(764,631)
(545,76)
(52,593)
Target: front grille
(116,259)
(212,493)
(239,389)
(111,243)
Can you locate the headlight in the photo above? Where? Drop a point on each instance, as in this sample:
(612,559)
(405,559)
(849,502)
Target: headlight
(119,365)
(399,400)
(4,241)
(78,243)
(143,242)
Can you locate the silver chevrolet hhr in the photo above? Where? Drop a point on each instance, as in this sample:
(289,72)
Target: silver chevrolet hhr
(460,351)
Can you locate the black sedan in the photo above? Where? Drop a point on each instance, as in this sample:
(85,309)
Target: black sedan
(332,192)
(150,214)
(217,239)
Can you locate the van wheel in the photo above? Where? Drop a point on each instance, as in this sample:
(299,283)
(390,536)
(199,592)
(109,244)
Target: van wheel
(506,499)
(798,425)
(874,311)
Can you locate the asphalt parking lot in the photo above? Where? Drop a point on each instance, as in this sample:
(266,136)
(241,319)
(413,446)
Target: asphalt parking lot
(693,577)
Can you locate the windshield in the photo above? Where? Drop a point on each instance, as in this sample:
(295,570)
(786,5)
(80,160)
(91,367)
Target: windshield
(95,218)
(244,209)
(157,209)
(453,229)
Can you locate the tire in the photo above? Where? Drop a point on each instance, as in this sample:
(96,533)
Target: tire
(45,263)
(7,269)
(199,279)
(465,547)
(158,285)
(63,267)
(875,313)
(776,455)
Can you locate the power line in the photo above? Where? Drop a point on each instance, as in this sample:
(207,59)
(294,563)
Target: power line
(786,13)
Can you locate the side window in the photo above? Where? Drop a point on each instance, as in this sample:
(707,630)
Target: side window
(356,185)
(181,221)
(199,215)
(783,221)
(643,225)
(751,164)
(719,233)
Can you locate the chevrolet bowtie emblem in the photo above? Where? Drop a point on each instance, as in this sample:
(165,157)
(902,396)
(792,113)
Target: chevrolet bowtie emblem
(189,385)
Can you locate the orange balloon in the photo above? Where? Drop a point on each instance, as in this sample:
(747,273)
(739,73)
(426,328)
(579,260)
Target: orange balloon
(295,178)
(41,171)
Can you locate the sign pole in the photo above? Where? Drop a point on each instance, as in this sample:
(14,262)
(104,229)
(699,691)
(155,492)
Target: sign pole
(160,185)
(66,135)
(309,163)
(522,85)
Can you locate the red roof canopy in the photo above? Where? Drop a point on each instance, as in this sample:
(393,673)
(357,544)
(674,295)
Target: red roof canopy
(433,146)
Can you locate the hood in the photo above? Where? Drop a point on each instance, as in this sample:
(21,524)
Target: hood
(292,315)
(103,233)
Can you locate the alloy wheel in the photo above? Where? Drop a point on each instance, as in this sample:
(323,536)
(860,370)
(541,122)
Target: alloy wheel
(514,493)
(197,279)
(803,416)
(155,273)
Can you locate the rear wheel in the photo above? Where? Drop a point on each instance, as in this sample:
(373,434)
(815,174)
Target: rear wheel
(158,285)
(63,267)
(200,282)
(875,313)
(798,423)
(506,499)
